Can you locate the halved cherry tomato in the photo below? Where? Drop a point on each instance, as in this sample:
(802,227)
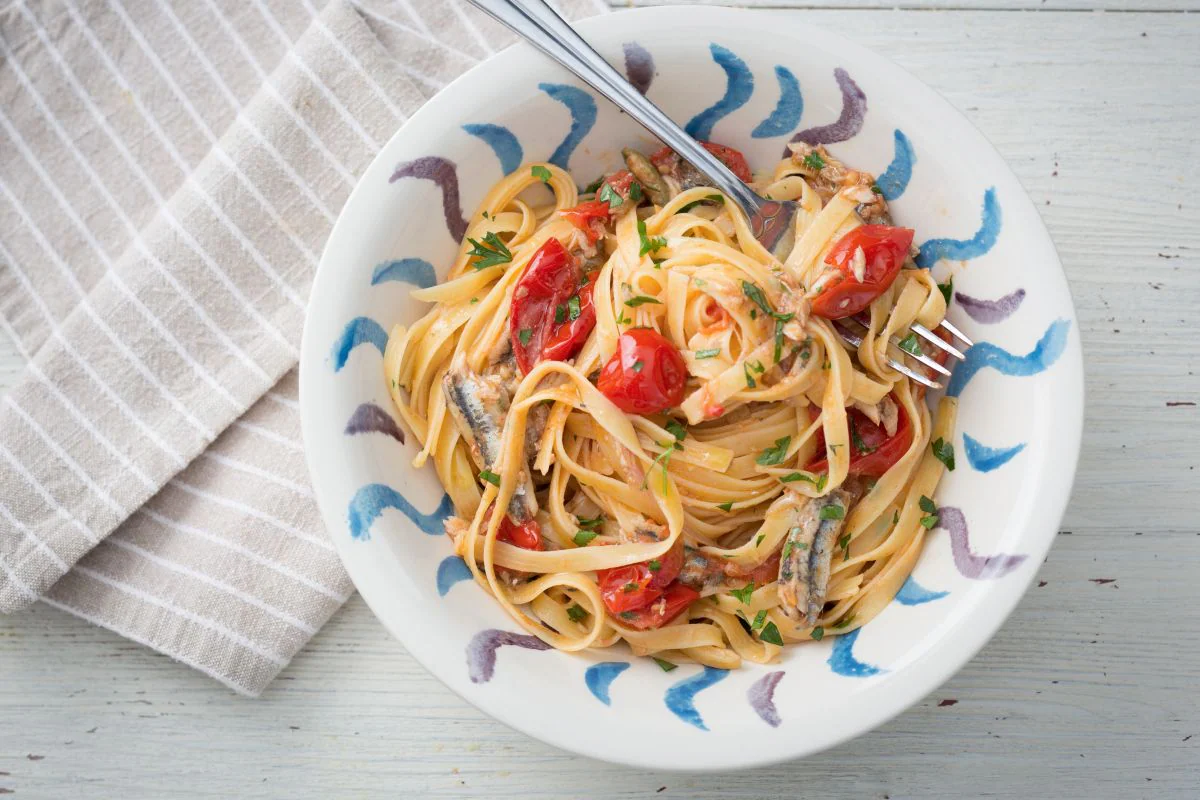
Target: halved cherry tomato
(537,328)
(884,249)
(527,535)
(589,217)
(674,601)
(646,374)
(665,158)
(872,451)
(638,585)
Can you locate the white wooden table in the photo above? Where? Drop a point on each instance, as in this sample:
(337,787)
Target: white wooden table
(1090,688)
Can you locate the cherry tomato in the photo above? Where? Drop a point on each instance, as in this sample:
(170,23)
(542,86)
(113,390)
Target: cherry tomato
(884,248)
(540,325)
(674,601)
(646,374)
(589,217)
(665,158)
(527,535)
(763,574)
(872,451)
(639,585)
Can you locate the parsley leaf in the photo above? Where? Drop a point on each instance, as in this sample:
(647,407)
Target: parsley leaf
(759,540)
(635,192)
(756,296)
(859,445)
(833,511)
(591,523)
(814,161)
(770,634)
(943,451)
(728,506)
(750,384)
(637,365)
(778,340)
(654,565)
(611,196)
(797,476)
(842,623)
(927,505)
(909,344)
(649,243)
(573,310)
(875,188)
(525,334)
(818,633)
(583,537)
(743,593)
(560,315)
(576,613)
(541,173)
(676,430)
(947,289)
(928,522)
(490,253)
(631,587)
(711,352)
(844,545)
(490,477)
(759,619)
(667,666)
(713,198)
(642,300)
(895,517)
(774,455)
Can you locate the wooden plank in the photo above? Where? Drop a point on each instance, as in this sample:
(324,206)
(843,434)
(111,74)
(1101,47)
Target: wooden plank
(1088,689)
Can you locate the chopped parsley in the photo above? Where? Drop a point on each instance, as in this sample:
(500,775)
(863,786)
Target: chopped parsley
(842,623)
(818,633)
(844,545)
(758,542)
(573,310)
(631,587)
(814,161)
(833,511)
(490,477)
(474,300)
(909,344)
(560,314)
(712,198)
(930,508)
(759,619)
(792,477)
(947,289)
(727,506)
(654,565)
(591,523)
(859,445)
(541,173)
(611,196)
(583,537)
(676,430)
(635,192)
(637,365)
(750,384)
(778,340)
(642,300)
(649,243)
(662,460)
(491,252)
(743,593)
(525,334)
(943,451)
(770,634)
(576,613)
(623,320)
(711,352)
(875,188)
(895,517)
(667,666)
(774,455)
(756,296)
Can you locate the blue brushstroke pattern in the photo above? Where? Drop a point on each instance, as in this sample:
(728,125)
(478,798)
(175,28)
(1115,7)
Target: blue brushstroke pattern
(679,697)
(986,354)
(739,85)
(583,117)
(914,594)
(844,663)
(984,458)
(600,676)
(935,250)
(504,144)
(416,271)
(786,116)
(357,331)
(371,500)
(895,178)
(452,570)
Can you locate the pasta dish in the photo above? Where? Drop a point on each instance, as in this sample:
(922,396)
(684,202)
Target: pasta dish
(653,431)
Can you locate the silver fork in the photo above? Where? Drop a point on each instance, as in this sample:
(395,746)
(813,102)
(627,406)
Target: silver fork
(770,220)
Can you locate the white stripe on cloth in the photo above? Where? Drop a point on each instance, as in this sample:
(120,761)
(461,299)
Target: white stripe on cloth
(180,168)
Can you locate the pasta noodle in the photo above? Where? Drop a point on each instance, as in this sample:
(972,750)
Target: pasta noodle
(782,494)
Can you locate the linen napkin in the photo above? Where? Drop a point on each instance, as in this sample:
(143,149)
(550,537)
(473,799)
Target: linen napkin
(168,175)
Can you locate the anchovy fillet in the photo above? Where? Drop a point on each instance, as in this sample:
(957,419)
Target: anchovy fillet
(807,553)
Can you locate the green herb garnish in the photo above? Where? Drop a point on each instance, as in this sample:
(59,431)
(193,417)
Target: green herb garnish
(859,445)
(911,345)
(649,243)
(490,252)
(583,537)
(675,429)
(490,477)
(947,289)
(560,314)
(818,633)
(611,196)
(712,198)
(750,384)
(943,451)
(774,455)
(930,509)
(711,352)
(637,366)
(591,523)
(756,296)
(833,511)
(758,542)
(642,300)
(842,623)
(875,188)
(844,544)
(667,666)
(770,634)
(726,506)
(654,565)
(525,334)
(814,161)
(744,593)
(759,619)
(541,173)
(573,310)
(576,613)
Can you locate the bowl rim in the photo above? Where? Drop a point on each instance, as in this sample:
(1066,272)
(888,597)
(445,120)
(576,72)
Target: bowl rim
(953,653)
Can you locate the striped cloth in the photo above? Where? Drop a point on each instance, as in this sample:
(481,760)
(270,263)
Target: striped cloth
(169,172)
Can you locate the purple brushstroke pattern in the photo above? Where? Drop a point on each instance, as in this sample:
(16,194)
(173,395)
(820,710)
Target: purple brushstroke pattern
(481,651)
(849,123)
(762,697)
(989,312)
(968,563)
(443,173)
(370,418)
(639,66)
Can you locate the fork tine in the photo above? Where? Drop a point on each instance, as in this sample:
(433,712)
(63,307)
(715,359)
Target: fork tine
(962,337)
(855,340)
(936,341)
(929,362)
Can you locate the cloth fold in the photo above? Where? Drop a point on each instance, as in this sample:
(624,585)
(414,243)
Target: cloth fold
(168,175)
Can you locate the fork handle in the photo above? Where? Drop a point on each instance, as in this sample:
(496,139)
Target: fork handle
(538,24)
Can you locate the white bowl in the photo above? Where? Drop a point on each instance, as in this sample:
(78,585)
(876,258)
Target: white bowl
(731,77)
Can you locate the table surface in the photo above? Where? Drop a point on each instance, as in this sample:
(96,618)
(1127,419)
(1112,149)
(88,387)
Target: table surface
(1090,686)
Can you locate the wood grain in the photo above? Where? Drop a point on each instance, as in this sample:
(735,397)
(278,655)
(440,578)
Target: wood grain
(1087,691)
